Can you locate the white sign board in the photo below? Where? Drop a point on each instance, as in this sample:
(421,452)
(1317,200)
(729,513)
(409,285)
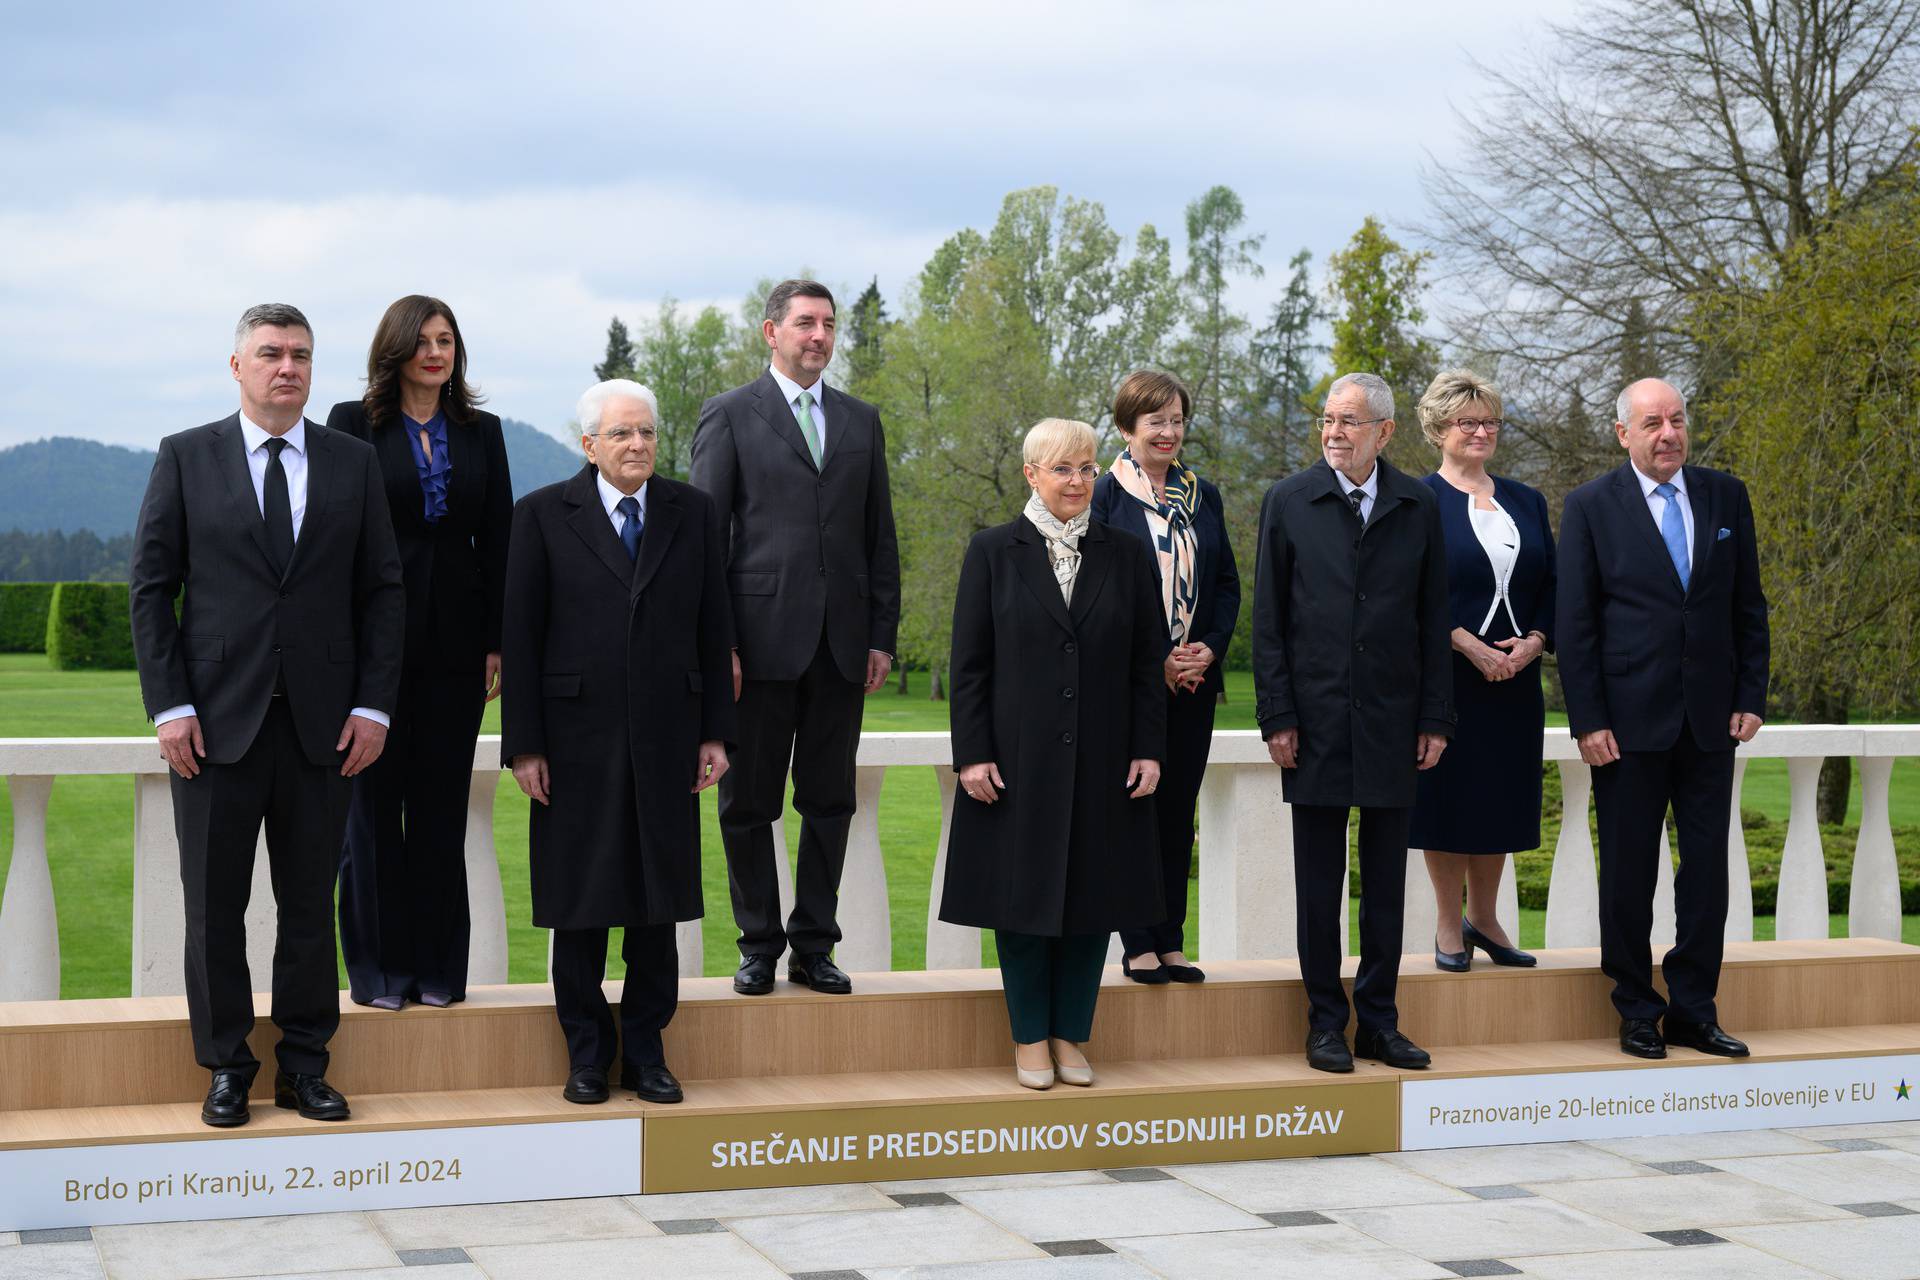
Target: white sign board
(317,1173)
(1635,1102)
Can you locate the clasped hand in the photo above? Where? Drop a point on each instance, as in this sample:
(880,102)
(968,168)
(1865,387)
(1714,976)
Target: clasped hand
(1503,659)
(1186,666)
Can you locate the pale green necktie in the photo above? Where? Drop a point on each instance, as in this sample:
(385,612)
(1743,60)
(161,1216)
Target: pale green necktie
(808,427)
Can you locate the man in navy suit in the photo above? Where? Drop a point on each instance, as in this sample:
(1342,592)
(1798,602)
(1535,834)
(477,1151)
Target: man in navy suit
(1663,656)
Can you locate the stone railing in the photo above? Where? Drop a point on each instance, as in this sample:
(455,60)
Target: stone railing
(1245,854)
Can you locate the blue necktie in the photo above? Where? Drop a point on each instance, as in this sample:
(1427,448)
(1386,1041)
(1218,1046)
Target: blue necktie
(630,531)
(1673,529)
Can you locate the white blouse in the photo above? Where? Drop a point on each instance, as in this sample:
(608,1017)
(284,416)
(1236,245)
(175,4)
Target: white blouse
(1500,539)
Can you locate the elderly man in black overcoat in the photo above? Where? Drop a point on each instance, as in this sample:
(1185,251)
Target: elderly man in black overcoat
(1354,694)
(617,710)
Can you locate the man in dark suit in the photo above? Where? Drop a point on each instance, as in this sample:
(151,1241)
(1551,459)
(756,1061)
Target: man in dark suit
(798,471)
(617,708)
(1353,683)
(269,692)
(1663,656)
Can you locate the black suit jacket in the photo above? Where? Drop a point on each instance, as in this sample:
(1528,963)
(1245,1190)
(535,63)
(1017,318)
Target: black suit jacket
(455,568)
(616,670)
(1216,608)
(1351,637)
(807,549)
(1636,651)
(332,625)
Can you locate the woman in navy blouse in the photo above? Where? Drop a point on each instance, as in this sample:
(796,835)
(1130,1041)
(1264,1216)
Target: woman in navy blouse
(1482,801)
(403,880)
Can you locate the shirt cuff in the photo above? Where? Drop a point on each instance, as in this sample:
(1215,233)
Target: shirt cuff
(180,712)
(368,713)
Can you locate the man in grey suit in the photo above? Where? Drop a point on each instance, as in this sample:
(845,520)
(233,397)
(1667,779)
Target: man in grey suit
(798,471)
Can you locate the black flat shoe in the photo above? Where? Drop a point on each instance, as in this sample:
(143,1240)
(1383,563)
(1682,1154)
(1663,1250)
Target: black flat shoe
(1452,961)
(1327,1051)
(755,976)
(586,1086)
(1512,957)
(1183,972)
(1154,977)
(311,1096)
(1706,1037)
(817,970)
(1639,1037)
(652,1084)
(1389,1046)
(226,1104)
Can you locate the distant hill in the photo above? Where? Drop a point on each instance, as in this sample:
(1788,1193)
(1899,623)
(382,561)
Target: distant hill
(68,484)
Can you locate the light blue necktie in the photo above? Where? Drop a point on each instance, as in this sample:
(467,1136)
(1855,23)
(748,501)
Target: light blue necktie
(1673,529)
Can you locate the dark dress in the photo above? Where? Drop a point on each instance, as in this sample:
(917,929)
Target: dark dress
(1484,795)
(404,926)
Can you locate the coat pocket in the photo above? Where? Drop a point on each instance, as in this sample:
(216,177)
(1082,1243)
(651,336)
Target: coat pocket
(758,583)
(694,683)
(204,648)
(560,685)
(340,651)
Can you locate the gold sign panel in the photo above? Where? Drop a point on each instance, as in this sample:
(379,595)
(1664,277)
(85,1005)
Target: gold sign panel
(1059,1130)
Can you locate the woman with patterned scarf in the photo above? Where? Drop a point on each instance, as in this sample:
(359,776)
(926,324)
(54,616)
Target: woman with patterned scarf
(1149,492)
(1058,712)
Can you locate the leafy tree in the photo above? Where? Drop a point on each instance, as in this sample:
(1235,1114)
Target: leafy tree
(1374,285)
(1213,353)
(866,325)
(618,362)
(1286,358)
(684,361)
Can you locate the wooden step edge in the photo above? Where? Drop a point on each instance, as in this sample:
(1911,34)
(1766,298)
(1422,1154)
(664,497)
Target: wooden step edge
(1789,1045)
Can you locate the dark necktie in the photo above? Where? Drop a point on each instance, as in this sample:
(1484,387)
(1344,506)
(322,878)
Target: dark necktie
(277,506)
(630,531)
(1354,499)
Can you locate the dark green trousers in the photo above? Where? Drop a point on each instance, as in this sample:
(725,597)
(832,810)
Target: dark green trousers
(1051,983)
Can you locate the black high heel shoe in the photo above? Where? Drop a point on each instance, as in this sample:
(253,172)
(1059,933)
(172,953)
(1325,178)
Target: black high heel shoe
(1509,956)
(1154,977)
(1452,961)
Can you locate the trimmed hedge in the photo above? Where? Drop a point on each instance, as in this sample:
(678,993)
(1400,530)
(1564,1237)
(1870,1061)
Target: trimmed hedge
(23,616)
(89,628)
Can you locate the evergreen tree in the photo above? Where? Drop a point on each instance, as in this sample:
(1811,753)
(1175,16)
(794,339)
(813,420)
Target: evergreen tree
(620,353)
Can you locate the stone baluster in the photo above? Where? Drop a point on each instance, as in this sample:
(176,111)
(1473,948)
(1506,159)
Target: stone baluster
(486,907)
(1802,909)
(1873,896)
(949,946)
(866,920)
(1573,890)
(159,903)
(29,929)
(1246,864)
(1739,872)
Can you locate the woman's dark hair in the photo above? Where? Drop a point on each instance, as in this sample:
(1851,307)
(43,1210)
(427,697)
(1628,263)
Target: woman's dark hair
(1144,391)
(394,343)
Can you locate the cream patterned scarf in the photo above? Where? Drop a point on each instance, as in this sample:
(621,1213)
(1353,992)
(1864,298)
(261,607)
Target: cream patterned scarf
(1063,542)
(1175,545)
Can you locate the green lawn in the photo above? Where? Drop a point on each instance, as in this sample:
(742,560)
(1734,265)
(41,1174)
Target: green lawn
(90,827)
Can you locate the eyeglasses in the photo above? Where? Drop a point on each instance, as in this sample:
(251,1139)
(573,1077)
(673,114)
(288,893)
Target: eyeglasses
(1163,424)
(1472,426)
(1349,424)
(1063,472)
(621,435)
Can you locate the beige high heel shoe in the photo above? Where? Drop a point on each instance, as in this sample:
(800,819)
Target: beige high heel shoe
(1075,1073)
(1042,1079)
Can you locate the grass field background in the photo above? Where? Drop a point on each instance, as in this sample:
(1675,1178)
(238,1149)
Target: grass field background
(90,828)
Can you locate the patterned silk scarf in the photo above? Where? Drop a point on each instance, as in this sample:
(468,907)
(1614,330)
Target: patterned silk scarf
(1174,541)
(1063,542)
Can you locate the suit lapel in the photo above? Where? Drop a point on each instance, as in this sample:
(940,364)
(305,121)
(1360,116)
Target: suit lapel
(1096,559)
(833,401)
(778,415)
(1036,570)
(589,522)
(1704,529)
(663,517)
(1633,504)
(230,459)
(396,458)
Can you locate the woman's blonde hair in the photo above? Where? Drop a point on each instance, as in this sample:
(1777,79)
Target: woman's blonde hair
(1451,391)
(1051,440)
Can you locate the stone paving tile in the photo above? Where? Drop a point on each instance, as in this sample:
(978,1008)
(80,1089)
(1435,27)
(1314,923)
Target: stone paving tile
(718,1257)
(883,1238)
(1498,1192)
(921,1199)
(1335,1250)
(1709,1146)
(524,1222)
(1687,1238)
(1839,1177)
(689,1226)
(758,1201)
(1853,1144)
(1883,1129)
(419,1271)
(1296,1218)
(1264,1186)
(78,1261)
(1105,1266)
(1137,1175)
(1857,1248)
(241,1247)
(9,1237)
(1902,1144)
(993,1181)
(1073,1248)
(1707,1200)
(1680,1168)
(55,1235)
(1491,1229)
(1117,1209)
(1707,1262)
(1878,1209)
(1540,1162)
(828,1275)
(431,1257)
(1481,1267)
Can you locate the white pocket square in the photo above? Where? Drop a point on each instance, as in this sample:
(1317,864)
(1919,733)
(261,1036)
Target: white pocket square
(1723,535)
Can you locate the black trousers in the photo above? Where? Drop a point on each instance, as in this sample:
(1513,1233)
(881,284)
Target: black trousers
(1631,797)
(648,999)
(1189,738)
(404,925)
(217,816)
(1319,872)
(814,722)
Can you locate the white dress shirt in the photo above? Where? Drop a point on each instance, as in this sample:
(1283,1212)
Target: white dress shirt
(1657,504)
(293,461)
(1500,539)
(610,498)
(791,390)
(1368,491)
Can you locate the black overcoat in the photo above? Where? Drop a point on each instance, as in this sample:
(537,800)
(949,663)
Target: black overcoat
(1351,636)
(1061,699)
(616,671)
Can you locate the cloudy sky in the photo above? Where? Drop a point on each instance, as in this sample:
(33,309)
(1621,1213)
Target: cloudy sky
(544,167)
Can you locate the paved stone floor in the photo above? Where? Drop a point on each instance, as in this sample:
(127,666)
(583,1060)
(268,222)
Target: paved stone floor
(1761,1205)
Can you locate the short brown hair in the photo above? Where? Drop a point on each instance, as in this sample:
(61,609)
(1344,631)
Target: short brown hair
(781,296)
(394,343)
(1143,391)
(1451,391)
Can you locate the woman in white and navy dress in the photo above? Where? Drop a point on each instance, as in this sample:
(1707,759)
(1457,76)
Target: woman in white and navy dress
(1482,801)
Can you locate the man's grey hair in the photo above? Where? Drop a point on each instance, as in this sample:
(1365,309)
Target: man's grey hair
(1379,394)
(279,315)
(1621,407)
(594,402)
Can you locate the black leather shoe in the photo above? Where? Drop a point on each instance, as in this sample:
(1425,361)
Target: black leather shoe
(1389,1046)
(586,1086)
(1183,972)
(1327,1051)
(311,1096)
(1707,1037)
(816,969)
(1452,961)
(226,1104)
(653,1084)
(1639,1037)
(1512,957)
(1154,977)
(755,976)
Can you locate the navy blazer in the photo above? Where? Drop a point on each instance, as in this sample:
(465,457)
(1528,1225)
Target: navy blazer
(1216,607)
(1470,574)
(1636,650)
